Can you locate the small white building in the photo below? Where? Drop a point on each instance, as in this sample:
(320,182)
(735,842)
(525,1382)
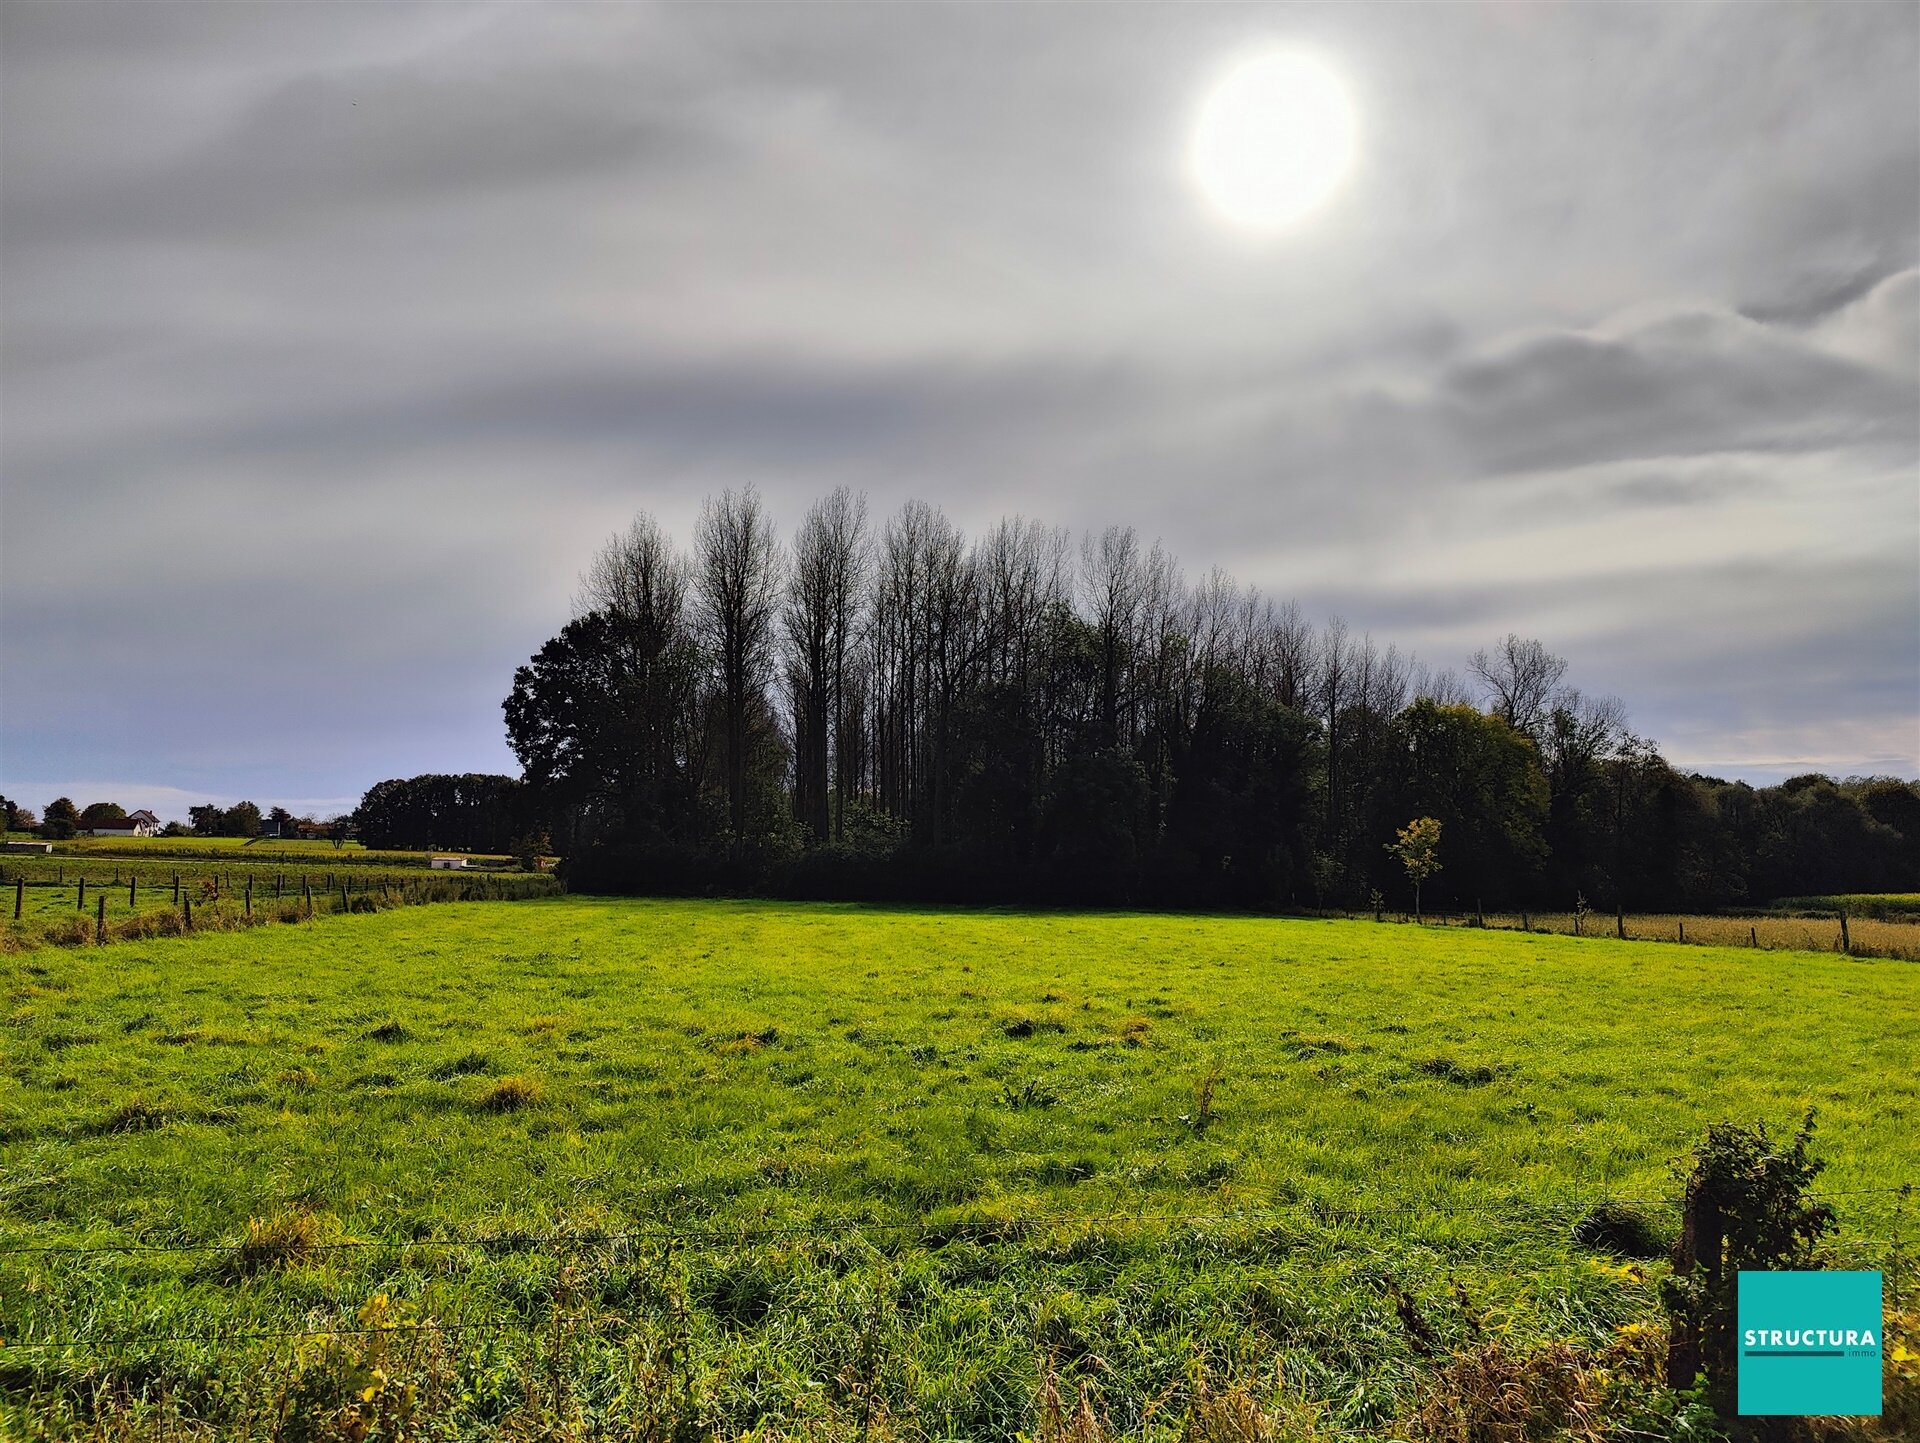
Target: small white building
(138,824)
(447,864)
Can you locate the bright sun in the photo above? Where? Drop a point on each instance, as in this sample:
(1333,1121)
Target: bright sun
(1273,139)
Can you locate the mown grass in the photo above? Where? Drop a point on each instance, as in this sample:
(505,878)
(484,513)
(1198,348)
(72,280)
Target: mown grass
(783,1162)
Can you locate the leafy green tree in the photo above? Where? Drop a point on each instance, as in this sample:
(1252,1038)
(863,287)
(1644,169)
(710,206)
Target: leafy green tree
(242,819)
(98,814)
(61,821)
(1482,779)
(1417,845)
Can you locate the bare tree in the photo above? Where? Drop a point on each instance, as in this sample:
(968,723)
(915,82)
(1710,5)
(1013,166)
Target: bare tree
(737,573)
(820,618)
(1112,575)
(639,580)
(1518,679)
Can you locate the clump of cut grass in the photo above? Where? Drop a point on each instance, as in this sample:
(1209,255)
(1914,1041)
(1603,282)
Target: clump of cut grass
(298,1079)
(137,1114)
(388,1031)
(1447,1070)
(465,1065)
(543,1023)
(1305,1048)
(284,1239)
(1136,1032)
(512,1094)
(1624,1231)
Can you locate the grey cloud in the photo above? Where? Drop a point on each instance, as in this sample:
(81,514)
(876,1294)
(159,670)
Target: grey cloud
(1687,383)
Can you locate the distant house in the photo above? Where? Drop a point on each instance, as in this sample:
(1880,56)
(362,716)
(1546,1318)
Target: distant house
(447,864)
(139,824)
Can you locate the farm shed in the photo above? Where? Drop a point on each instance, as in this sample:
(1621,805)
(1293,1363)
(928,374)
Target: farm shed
(448,864)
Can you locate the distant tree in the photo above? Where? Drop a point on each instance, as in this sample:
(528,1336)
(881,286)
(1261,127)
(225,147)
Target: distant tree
(61,821)
(1482,778)
(474,812)
(1417,845)
(1519,678)
(207,820)
(21,819)
(10,814)
(283,821)
(529,848)
(242,819)
(737,577)
(176,829)
(821,607)
(98,814)
(340,829)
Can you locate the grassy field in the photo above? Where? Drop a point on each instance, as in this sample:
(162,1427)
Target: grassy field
(1892,933)
(290,851)
(731,1166)
(1904,905)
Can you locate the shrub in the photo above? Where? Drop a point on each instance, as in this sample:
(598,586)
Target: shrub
(1746,1208)
(510,1094)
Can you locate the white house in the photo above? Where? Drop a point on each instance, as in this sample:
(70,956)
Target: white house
(447,864)
(139,824)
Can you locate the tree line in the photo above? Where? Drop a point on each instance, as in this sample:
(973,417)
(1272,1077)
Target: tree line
(895,709)
(63,820)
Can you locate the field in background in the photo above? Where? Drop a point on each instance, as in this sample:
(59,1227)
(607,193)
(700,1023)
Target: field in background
(291,851)
(806,1162)
(67,900)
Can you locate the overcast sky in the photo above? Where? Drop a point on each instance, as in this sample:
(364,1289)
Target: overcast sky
(337,337)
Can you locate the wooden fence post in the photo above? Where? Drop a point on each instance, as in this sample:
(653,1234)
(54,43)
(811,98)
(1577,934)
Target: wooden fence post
(133,885)
(19,895)
(176,889)
(1846,942)
(80,901)
(1620,920)
(1753,936)
(1683,929)
(249,896)
(99,917)
(186,907)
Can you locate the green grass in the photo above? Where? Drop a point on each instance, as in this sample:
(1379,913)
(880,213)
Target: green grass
(952,1148)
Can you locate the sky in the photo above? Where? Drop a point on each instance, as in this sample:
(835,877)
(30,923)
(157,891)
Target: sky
(334,339)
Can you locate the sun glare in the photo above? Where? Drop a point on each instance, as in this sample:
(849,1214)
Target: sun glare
(1273,139)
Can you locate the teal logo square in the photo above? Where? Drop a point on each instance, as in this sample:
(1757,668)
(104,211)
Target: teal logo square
(1809,1343)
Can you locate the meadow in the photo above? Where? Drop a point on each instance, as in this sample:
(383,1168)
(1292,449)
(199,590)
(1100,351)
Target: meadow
(73,902)
(731,1166)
